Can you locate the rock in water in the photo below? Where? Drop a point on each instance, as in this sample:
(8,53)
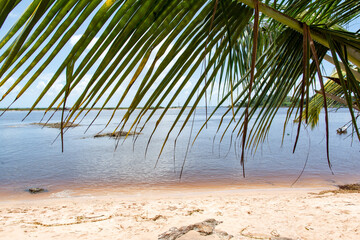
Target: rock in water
(56,125)
(36,190)
(116,134)
(342,130)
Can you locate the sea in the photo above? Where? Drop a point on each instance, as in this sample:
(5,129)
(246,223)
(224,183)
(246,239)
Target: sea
(31,155)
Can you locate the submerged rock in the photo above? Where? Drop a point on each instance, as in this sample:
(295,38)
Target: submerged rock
(36,190)
(55,125)
(115,134)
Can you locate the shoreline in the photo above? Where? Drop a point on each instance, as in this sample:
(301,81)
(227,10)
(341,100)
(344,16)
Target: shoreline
(296,213)
(133,193)
(188,188)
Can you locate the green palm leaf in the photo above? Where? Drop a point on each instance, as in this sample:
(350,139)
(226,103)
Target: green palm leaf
(159,47)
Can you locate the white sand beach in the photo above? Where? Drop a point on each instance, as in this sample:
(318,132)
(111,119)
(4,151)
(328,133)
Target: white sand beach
(240,214)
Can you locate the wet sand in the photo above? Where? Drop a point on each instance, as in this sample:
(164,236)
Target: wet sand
(294,213)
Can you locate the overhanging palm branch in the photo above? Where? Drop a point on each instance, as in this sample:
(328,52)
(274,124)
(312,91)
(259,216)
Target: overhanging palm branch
(158,47)
(335,98)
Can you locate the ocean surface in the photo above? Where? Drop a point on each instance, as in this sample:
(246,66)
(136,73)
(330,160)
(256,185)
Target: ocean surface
(31,156)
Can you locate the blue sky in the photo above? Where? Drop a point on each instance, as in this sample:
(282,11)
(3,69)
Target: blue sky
(29,97)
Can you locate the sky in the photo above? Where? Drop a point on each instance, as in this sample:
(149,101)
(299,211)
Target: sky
(30,96)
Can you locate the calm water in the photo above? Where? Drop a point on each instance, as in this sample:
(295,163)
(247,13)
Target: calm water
(28,158)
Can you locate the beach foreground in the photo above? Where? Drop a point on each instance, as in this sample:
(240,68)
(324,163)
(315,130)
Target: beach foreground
(243,214)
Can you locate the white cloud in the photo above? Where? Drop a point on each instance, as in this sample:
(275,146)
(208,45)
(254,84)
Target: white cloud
(102,56)
(6,86)
(41,85)
(60,83)
(92,43)
(188,85)
(14,15)
(82,85)
(74,39)
(55,88)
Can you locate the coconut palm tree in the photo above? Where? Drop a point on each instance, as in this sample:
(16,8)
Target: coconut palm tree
(249,51)
(335,97)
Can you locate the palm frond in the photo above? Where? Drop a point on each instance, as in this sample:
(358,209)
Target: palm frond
(158,48)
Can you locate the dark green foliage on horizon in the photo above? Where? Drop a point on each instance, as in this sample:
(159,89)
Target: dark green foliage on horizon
(286,103)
